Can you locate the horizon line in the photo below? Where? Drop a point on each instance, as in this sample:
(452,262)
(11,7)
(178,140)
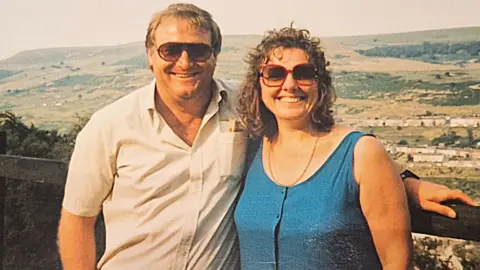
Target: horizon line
(246,34)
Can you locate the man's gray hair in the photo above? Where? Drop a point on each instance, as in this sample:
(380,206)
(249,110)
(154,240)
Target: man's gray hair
(194,15)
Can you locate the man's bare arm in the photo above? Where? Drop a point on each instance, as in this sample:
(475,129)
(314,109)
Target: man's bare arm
(429,196)
(76,241)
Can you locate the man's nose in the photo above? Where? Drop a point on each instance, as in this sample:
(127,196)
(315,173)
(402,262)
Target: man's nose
(184,62)
(290,83)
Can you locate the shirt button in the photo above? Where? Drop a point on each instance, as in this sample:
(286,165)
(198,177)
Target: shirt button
(278,215)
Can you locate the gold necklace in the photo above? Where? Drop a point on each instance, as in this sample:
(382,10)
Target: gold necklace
(304,170)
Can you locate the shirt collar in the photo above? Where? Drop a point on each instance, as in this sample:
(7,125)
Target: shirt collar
(220,94)
(148,96)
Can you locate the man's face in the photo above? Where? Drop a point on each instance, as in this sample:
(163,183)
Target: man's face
(183,78)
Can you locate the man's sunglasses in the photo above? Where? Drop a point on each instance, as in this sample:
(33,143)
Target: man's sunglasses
(275,75)
(198,52)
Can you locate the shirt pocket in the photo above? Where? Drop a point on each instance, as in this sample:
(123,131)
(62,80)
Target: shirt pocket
(232,153)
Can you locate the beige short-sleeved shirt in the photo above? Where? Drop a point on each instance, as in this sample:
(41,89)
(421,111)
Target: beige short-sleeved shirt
(166,205)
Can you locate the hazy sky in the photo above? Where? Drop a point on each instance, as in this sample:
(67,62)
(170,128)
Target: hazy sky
(31,24)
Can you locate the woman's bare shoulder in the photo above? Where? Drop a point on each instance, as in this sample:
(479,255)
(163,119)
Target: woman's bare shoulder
(341,131)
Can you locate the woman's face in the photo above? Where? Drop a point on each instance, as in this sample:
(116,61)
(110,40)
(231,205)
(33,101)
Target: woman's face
(288,84)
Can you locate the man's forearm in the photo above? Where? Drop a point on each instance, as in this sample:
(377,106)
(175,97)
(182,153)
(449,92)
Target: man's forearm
(411,184)
(398,167)
(76,242)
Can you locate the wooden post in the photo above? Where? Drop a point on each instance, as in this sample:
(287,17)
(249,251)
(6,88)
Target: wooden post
(3,188)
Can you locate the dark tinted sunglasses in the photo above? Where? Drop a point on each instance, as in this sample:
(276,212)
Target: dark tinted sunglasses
(198,52)
(275,75)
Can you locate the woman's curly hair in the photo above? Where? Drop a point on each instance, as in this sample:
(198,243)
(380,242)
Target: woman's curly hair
(258,120)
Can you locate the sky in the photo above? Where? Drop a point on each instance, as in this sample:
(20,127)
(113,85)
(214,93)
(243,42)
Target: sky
(34,24)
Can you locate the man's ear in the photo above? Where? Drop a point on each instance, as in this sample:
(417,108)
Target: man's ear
(150,56)
(215,58)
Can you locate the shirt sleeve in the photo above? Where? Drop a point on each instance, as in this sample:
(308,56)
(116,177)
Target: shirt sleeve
(91,169)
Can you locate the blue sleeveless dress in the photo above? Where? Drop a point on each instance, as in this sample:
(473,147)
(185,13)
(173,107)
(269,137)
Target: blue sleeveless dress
(316,224)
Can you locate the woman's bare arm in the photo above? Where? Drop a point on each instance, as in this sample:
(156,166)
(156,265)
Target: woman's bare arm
(384,203)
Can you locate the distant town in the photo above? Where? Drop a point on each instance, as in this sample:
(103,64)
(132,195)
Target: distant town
(421,122)
(438,155)
(441,155)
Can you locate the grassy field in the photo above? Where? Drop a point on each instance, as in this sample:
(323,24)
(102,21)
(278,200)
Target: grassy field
(360,94)
(401,87)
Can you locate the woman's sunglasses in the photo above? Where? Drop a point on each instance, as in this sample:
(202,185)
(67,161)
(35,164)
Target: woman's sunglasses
(275,75)
(198,52)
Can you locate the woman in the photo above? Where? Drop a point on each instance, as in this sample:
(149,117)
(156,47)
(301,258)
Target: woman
(317,195)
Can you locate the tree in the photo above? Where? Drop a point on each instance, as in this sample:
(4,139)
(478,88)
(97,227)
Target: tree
(28,140)
(32,208)
(448,139)
(31,141)
(470,136)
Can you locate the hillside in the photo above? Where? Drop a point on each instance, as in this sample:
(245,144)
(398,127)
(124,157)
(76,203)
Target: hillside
(50,86)
(418,37)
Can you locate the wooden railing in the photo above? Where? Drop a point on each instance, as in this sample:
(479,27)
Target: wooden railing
(466,226)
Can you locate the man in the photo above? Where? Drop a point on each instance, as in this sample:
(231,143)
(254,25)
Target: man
(165,165)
